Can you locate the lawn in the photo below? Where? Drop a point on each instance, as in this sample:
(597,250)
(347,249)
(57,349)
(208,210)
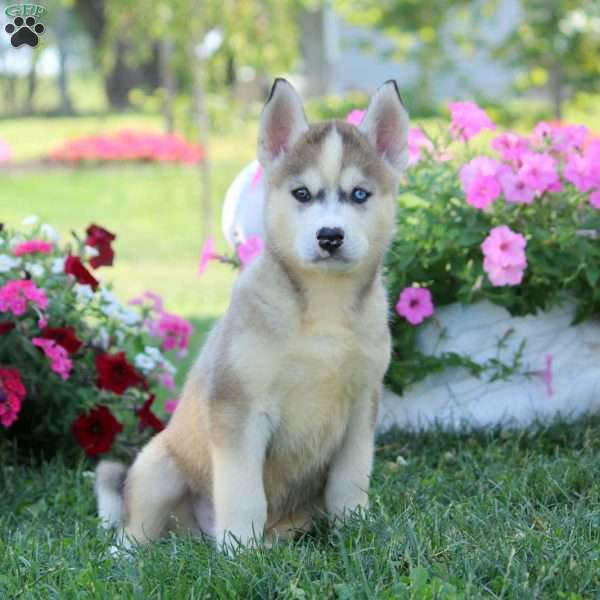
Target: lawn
(472,516)
(452,516)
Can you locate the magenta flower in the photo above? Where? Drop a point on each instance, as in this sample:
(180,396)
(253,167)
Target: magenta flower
(415,304)
(504,256)
(256,178)
(548,378)
(250,249)
(515,189)
(15,295)
(483,192)
(479,178)
(355,117)
(5,152)
(208,253)
(468,120)
(561,138)
(538,171)
(57,355)
(510,146)
(33,247)
(477,167)
(174,331)
(417,140)
(166,380)
(171,405)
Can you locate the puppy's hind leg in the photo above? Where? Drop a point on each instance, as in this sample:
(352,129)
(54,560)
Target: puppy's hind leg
(153,489)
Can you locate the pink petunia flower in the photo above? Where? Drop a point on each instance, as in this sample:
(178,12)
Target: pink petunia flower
(153,297)
(538,171)
(417,140)
(548,378)
(208,254)
(5,152)
(477,167)
(515,189)
(483,191)
(59,359)
(256,178)
(250,249)
(510,146)
(504,256)
(33,247)
(174,331)
(355,117)
(468,120)
(415,304)
(16,294)
(560,138)
(166,380)
(500,274)
(171,405)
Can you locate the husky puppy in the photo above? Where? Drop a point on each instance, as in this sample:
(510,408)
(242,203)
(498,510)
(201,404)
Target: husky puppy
(277,417)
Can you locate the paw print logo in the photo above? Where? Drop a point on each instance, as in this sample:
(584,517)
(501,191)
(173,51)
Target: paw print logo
(24,31)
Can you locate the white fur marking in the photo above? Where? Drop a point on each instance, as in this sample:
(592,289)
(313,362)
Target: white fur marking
(331,156)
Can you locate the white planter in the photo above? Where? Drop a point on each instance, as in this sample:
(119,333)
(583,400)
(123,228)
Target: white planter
(455,399)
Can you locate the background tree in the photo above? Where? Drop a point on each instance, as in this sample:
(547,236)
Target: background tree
(558,43)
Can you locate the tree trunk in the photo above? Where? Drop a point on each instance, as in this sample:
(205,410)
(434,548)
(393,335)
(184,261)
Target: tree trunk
(556,89)
(168,82)
(31,84)
(65,105)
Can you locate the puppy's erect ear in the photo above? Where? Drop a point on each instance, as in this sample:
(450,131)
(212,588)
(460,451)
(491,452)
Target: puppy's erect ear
(281,124)
(386,125)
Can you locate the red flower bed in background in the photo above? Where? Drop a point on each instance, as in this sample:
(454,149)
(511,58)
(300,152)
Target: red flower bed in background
(128,146)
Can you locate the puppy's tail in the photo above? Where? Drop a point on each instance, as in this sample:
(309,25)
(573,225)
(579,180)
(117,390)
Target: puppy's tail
(110,480)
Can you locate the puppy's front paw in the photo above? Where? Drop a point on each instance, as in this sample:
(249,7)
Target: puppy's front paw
(342,502)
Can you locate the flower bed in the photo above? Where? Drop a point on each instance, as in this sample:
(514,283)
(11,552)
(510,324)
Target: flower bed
(128,146)
(78,368)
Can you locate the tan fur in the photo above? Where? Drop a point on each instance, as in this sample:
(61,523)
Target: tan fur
(277,417)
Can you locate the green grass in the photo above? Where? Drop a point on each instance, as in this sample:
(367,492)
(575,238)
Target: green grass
(467,516)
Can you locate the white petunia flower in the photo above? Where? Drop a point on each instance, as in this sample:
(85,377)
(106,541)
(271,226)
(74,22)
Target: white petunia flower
(84,293)
(8,262)
(129,317)
(49,232)
(168,366)
(35,269)
(108,297)
(102,339)
(111,310)
(90,252)
(58,266)
(30,220)
(144,362)
(154,353)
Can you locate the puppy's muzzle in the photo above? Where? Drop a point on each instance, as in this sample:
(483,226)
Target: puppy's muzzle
(330,238)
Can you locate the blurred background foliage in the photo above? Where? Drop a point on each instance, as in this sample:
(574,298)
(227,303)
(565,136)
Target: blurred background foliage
(155,56)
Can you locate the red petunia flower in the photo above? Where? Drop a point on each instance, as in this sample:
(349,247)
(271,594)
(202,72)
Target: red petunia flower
(63,336)
(100,239)
(6,327)
(115,373)
(12,392)
(96,430)
(148,418)
(74,266)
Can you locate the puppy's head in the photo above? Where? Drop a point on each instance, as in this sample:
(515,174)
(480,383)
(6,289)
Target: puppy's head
(331,186)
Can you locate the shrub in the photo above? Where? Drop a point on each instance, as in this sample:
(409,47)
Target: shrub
(517,226)
(128,146)
(77,368)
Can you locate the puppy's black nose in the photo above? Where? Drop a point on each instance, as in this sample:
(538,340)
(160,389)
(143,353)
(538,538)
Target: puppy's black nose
(330,238)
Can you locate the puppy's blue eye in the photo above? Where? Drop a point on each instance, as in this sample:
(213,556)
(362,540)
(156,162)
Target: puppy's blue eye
(302,194)
(359,195)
